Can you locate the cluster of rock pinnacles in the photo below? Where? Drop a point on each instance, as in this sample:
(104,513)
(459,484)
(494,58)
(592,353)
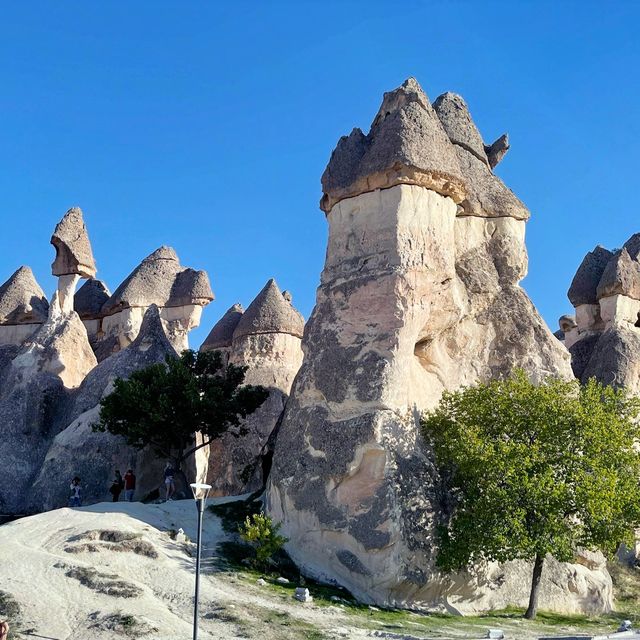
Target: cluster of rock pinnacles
(419,293)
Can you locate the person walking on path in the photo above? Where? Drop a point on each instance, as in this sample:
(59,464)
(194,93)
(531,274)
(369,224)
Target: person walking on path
(129,485)
(168,480)
(4,630)
(116,486)
(74,498)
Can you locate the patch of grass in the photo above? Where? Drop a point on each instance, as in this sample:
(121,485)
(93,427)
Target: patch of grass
(626,589)
(109,584)
(120,623)
(233,514)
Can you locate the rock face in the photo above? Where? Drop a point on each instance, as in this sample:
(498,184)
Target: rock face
(77,450)
(419,293)
(605,339)
(50,380)
(23,307)
(266,339)
(180,294)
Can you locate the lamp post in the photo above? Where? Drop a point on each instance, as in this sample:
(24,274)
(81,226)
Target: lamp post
(200,493)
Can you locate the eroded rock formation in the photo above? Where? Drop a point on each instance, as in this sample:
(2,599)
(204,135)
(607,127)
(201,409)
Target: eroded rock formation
(604,340)
(419,293)
(23,307)
(266,338)
(50,380)
(179,292)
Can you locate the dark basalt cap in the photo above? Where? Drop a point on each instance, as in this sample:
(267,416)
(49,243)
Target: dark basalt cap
(73,249)
(160,280)
(583,289)
(270,313)
(222,333)
(405,145)
(90,299)
(22,300)
(487,196)
(621,276)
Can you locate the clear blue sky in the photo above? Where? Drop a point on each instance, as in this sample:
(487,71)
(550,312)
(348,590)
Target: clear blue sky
(207,125)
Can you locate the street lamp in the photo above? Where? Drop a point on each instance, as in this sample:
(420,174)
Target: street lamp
(200,493)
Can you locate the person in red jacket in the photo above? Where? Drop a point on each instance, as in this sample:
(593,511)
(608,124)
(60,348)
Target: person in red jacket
(129,485)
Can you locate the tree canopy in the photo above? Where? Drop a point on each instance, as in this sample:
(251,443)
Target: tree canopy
(165,404)
(535,469)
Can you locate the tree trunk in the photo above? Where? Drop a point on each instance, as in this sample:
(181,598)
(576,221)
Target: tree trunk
(535,588)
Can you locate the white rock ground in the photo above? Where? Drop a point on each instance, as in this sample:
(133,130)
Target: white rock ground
(35,560)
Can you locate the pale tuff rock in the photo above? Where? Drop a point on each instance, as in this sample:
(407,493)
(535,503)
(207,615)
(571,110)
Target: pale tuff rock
(414,299)
(73,249)
(486,194)
(180,293)
(23,307)
(220,337)
(77,450)
(406,145)
(267,340)
(606,294)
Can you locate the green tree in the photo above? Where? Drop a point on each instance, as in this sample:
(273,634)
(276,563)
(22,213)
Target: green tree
(164,405)
(262,534)
(535,470)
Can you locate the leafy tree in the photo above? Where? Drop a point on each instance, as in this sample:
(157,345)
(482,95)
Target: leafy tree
(535,470)
(262,534)
(164,405)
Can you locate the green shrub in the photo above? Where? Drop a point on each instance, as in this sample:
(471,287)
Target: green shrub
(262,534)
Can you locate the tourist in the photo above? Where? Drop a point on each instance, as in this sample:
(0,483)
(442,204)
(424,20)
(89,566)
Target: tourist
(4,630)
(74,498)
(129,485)
(116,486)
(168,480)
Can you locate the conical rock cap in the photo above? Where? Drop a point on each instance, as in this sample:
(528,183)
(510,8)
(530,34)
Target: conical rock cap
(22,300)
(222,333)
(270,313)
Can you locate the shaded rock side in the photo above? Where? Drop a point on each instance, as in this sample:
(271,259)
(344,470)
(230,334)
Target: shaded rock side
(73,249)
(221,336)
(267,340)
(90,298)
(36,387)
(583,289)
(23,307)
(78,450)
(621,276)
(413,300)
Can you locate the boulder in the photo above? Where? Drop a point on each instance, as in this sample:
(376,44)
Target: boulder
(90,299)
(621,276)
(583,289)
(73,249)
(23,307)
(416,297)
(266,340)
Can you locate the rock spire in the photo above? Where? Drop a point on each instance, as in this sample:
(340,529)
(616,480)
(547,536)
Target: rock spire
(73,249)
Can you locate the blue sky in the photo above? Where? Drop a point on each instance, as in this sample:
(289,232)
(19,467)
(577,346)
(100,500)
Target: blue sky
(207,126)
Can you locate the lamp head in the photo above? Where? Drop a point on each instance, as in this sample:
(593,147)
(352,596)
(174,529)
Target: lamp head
(200,490)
